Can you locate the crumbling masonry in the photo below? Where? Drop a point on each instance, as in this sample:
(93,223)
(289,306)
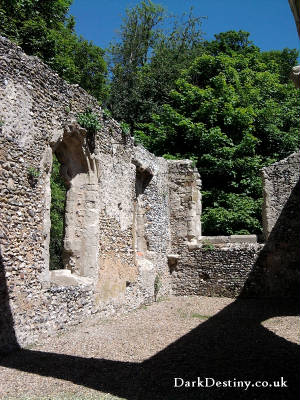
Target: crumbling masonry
(131,219)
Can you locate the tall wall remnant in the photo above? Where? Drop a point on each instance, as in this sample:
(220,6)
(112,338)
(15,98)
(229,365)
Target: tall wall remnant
(117,221)
(276,272)
(279,181)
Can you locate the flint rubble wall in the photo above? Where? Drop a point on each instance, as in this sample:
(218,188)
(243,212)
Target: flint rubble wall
(237,265)
(38,112)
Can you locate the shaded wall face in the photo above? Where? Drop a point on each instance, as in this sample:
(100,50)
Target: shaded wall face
(279,180)
(280,259)
(276,272)
(142,180)
(295,8)
(8,340)
(152,240)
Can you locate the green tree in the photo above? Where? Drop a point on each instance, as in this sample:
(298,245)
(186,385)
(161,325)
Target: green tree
(44,29)
(57,213)
(146,61)
(230,42)
(137,37)
(233,114)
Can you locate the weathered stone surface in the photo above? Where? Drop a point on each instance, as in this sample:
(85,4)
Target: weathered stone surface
(64,277)
(185,202)
(279,179)
(295,8)
(117,224)
(229,239)
(276,271)
(218,270)
(295,76)
(294,4)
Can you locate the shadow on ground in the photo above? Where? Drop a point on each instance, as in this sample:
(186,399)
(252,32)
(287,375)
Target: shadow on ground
(232,345)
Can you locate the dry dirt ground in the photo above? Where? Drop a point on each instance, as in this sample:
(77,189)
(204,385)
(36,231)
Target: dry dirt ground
(139,355)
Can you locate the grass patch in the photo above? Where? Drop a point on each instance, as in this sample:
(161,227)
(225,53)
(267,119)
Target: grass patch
(196,315)
(162,298)
(186,314)
(142,307)
(207,246)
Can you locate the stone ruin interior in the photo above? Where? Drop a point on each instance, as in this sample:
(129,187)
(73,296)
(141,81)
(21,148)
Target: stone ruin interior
(132,220)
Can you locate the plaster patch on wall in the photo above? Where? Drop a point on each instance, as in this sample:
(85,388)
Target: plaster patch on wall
(116,181)
(16,113)
(112,278)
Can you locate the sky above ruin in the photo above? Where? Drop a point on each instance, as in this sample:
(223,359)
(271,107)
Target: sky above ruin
(270,22)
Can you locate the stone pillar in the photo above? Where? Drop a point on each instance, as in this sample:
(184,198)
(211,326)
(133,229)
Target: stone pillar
(80,171)
(185,202)
(279,180)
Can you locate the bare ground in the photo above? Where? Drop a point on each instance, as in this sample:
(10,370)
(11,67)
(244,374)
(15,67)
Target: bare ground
(138,355)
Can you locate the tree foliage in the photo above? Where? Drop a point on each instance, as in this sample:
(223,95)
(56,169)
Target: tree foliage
(44,29)
(57,213)
(233,112)
(147,59)
(222,103)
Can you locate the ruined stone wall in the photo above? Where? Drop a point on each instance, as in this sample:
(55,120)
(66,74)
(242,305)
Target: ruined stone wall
(295,8)
(105,213)
(279,180)
(185,203)
(199,265)
(214,267)
(236,265)
(276,271)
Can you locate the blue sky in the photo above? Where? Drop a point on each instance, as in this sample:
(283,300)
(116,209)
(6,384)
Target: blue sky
(270,22)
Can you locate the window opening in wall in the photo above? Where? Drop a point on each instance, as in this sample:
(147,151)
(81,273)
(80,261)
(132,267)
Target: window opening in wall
(74,236)
(57,216)
(227,212)
(143,178)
